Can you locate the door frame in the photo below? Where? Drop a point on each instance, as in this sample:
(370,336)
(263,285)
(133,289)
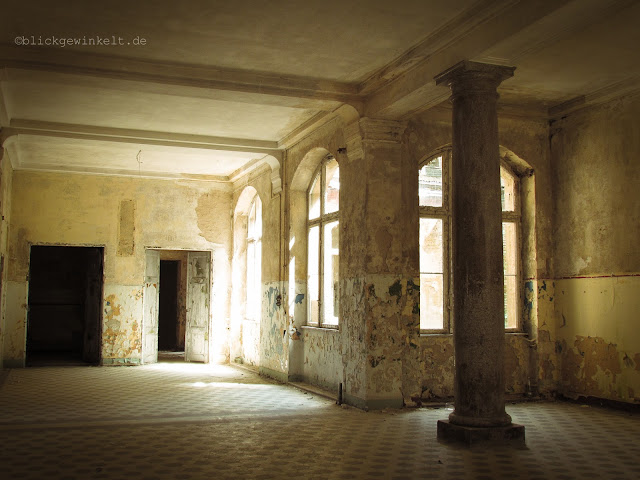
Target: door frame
(100,325)
(211,256)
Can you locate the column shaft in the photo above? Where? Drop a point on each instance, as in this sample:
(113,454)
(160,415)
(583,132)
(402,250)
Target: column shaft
(477,246)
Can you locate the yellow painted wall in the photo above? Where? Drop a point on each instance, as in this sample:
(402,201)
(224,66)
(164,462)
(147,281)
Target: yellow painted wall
(74,209)
(6,179)
(596,155)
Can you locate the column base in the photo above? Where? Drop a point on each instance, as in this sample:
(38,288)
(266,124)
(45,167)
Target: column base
(510,434)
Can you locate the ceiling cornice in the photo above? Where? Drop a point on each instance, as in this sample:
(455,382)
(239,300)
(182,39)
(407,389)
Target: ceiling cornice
(176,74)
(630,86)
(415,89)
(141,137)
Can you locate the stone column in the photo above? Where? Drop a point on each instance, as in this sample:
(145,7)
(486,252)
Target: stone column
(478,288)
(379,292)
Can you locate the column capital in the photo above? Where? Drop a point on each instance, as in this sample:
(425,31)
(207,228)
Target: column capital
(371,131)
(468,78)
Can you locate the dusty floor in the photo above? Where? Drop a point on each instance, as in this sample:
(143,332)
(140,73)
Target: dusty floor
(176,420)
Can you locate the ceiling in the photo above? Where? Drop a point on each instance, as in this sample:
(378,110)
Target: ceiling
(212,89)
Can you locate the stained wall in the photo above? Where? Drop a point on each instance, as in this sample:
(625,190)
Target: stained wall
(125,215)
(264,341)
(525,141)
(596,158)
(6,180)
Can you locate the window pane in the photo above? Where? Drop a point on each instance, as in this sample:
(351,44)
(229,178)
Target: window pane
(508,190)
(331,242)
(430,183)
(510,302)
(332,192)
(510,248)
(252,221)
(431,301)
(510,255)
(251,273)
(314,199)
(431,252)
(431,274)
(313,262)
(257,232)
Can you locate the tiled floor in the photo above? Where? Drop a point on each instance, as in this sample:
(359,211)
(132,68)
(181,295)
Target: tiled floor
(182,421)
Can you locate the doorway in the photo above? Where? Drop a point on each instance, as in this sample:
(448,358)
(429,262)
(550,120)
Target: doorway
(176,300)
(64,321)
(170,328)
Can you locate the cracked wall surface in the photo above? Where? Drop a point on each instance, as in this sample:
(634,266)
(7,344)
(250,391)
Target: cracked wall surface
(6,181)
(74,209)
(596,155)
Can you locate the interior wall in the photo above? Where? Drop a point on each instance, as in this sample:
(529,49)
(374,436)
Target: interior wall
(596,153)
(430,373)
(315,353)
(266,342)
(6,180)
(125,215)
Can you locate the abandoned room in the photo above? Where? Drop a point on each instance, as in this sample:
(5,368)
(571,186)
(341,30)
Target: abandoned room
(321,239)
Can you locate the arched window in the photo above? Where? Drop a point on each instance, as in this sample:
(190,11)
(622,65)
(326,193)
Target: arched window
(323,245)
(434,192)
(254,260)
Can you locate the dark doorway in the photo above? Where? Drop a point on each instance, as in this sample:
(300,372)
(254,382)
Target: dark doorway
(65,304)
(168,329)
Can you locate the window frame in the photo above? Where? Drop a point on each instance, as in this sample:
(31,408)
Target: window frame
(321,221)
(254,239)
(515,217)
(443,213)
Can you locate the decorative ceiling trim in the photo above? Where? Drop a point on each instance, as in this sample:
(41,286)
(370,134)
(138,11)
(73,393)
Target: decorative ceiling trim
(142,137)
(629,86)
(70,62)
(216,182)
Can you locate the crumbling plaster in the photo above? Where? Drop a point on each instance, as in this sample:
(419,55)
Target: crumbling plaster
(75,209)
(524,355)
(597,262)
(6,180)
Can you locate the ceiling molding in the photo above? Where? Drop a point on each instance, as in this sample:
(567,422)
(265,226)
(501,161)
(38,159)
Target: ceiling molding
(629,86)
(106,66)
(439,40)
(142,137)
(213,181)
(403,93)
(570,18)
(344,113)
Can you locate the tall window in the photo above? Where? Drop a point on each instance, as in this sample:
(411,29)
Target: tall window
(434,193)
(435,216)
(323,245)
(254,259)
(509,186)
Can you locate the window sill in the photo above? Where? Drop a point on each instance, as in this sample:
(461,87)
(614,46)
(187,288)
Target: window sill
(446,334)
(323,329)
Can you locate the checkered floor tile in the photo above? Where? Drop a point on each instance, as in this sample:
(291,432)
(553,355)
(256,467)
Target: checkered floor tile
(190,421)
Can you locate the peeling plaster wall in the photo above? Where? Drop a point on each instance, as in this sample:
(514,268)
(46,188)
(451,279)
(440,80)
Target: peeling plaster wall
(315,354)
(6,180)
(274,344)
(74,209)
(260,342)
(531,361)
(597,172)
(322,362)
